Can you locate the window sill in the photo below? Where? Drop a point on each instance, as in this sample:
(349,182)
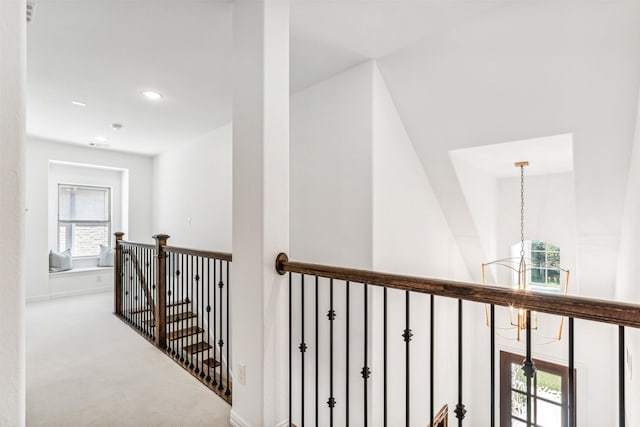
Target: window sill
(80,271)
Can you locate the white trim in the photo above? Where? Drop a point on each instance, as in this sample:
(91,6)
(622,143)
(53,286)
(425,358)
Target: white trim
(70,294)
(80,270)
(236,420)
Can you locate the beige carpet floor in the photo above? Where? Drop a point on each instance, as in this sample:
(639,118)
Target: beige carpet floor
(85,367)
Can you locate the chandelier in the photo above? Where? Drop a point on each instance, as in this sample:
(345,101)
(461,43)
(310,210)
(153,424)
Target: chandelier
(521,268)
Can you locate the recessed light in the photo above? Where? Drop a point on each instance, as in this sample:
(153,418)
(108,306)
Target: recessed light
(100,138)
(116,126)
(152,95)
(79,104)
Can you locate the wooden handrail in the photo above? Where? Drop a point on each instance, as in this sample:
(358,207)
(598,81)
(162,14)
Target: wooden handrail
(597,310)
(138,245)
(224,256)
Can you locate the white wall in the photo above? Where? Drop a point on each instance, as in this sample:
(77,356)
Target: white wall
(360,197)
(331,170)
(410,236)
(628,280)
(136,222)
(331,220)
(12,221)
(192,192)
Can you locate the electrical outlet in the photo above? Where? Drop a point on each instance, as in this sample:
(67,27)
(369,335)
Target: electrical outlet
(242,374)
(99,278)
(188,221)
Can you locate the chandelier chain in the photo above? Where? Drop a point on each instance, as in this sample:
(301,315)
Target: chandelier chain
(521,210)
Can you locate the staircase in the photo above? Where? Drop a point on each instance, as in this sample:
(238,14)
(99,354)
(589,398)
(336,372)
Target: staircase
(192,287)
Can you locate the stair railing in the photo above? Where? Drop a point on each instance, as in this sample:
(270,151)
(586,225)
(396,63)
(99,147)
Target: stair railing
(178,299)
(321,353)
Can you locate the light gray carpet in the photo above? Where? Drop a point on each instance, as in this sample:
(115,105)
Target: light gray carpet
(87,368)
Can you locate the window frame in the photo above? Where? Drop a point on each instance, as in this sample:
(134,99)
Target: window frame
(506,389)
(72,223)
(545,286)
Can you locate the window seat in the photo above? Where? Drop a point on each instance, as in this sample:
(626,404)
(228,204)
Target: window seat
(84,279)
(80,270)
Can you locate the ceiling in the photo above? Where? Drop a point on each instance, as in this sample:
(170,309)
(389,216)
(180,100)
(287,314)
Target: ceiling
(106,52)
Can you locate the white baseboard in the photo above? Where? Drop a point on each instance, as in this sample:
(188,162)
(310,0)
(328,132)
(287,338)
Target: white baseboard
(70,294)
(237,421)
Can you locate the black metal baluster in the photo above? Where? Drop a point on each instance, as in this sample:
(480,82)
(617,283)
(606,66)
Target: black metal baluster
(332,316)
(493,365)
(228,390)
(192,336)
(347,318)
(302,348)
(199,285)
(384,356)
(182,307)
(169,279)
(126,287)
(290,352)
(571,400)
(215,325)
(460,410)
(528,368)
(431,356)
(221,342)
(407,339)
(147,263)
(208,378)
(366,372)
(621,379)
(316,337)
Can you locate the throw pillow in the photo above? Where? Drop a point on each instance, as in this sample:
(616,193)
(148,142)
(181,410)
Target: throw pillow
(106,256)
(60,261)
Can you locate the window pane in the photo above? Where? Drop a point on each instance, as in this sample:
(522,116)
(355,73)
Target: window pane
(517,423)
(538,259)
(88,238)
(63,244)
(553,259)
(549,414)
(549,386)
(83,203)
(537,275)
(537,246)
(64,203)
(518,405)
(91,205)
(518,380)
(553,277)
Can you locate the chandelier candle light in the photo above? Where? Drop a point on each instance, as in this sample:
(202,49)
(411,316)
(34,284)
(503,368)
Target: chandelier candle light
(521,270)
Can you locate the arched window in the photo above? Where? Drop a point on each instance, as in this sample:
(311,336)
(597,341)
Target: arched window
(543,264)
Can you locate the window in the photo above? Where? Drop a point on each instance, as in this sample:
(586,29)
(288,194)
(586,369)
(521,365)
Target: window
(549,393)
(84,219)
(543,264)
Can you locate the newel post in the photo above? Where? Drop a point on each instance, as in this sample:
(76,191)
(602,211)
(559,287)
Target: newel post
(117,275)
(161,295)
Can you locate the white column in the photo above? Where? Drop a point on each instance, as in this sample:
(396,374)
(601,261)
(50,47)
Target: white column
(260,212)
(12,135)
